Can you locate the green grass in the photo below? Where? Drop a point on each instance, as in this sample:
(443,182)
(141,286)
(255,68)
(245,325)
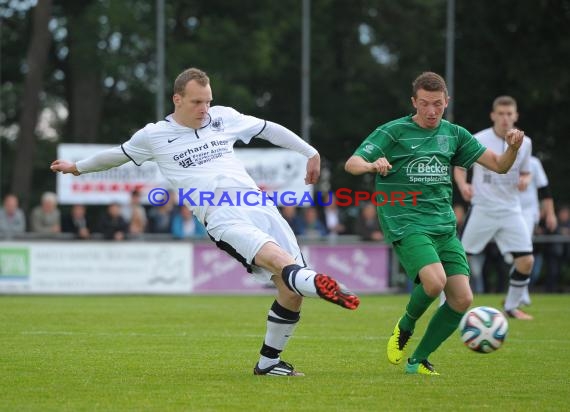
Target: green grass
(150,353)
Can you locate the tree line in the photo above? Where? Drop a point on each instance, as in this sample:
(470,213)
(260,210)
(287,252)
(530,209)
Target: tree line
(84,71)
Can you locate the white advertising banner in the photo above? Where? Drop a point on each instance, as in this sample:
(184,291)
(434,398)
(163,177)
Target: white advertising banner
(95,267)
(272,169)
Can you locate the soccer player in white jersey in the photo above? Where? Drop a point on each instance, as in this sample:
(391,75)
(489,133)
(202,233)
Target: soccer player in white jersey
(193,148)
(536,197)
(536,201)
(496,212)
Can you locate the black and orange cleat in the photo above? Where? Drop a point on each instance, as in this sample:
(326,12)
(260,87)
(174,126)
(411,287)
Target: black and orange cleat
(329,289)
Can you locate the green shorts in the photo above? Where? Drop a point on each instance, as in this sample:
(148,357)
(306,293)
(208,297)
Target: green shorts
(418,250)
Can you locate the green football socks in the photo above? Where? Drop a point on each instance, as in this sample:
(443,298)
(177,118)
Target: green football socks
(441,326)
(418,304)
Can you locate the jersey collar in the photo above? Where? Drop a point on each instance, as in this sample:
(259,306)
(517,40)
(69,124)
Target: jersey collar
(205,123)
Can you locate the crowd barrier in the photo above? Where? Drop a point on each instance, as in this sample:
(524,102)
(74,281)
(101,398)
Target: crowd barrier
(42,266)
(157,264)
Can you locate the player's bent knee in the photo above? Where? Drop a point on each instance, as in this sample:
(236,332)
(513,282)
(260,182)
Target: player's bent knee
(460,303)
(434,287)
(524,263)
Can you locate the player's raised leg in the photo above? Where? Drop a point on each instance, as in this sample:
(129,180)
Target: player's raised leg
(304,281)
(293,282)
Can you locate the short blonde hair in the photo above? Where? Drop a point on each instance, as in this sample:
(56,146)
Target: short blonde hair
(504,101)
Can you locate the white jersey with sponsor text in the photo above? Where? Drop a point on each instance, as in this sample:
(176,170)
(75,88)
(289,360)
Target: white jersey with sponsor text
(201,160)
(498,192)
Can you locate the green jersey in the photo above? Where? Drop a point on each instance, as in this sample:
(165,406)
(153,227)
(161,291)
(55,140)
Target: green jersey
(416,195)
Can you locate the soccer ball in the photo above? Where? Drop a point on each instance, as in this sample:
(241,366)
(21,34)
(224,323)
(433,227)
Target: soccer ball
(483,329)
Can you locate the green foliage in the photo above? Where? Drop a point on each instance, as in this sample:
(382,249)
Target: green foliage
(365,53)
(197,353)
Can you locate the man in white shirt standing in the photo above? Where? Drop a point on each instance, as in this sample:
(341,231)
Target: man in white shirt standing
(536,202)
(496,212)
(193,148)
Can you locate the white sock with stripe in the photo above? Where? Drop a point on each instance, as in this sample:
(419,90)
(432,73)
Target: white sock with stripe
(281,323)
(518,282)
(300,280)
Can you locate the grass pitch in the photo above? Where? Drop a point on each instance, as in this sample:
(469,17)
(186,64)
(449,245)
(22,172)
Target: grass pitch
(179,353)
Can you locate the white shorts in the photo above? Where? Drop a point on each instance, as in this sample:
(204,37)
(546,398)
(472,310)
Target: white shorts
(530,219)
(507,229)
(241,231)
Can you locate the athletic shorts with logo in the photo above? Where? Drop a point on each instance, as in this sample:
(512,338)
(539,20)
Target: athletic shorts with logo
(418,250)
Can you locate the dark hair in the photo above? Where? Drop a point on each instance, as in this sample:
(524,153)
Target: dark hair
(188,75)
(429,81)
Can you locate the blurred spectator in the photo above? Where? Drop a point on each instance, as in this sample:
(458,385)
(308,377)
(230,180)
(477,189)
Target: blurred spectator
(46,217)
(12,219)
(135,214)
(76,222)
(292,217)
(367,226)
(313,226)
(494,264)
(160,218)
(332,216)
(552,253)
(459,211)
(112,224)
(185,225)
(564,229)
(564,220)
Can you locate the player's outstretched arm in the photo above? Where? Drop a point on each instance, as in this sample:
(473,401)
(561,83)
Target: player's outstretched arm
(502,163)
(65,167)
(356,165)
(281,136)
(103,160)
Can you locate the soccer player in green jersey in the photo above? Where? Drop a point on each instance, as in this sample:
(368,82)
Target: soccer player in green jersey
(414,155)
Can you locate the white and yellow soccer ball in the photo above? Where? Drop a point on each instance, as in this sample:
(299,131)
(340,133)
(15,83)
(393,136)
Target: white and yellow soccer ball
(483,329)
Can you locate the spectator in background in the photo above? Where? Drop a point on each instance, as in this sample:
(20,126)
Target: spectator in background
(76,222)
(113,225)
(46,217)
(332,216)
(564,229)
(160,218)
(564,220)
(313,227)
(367,226)
(291,216)
(186,226)
(494,263)
(135,215)
(12,219)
